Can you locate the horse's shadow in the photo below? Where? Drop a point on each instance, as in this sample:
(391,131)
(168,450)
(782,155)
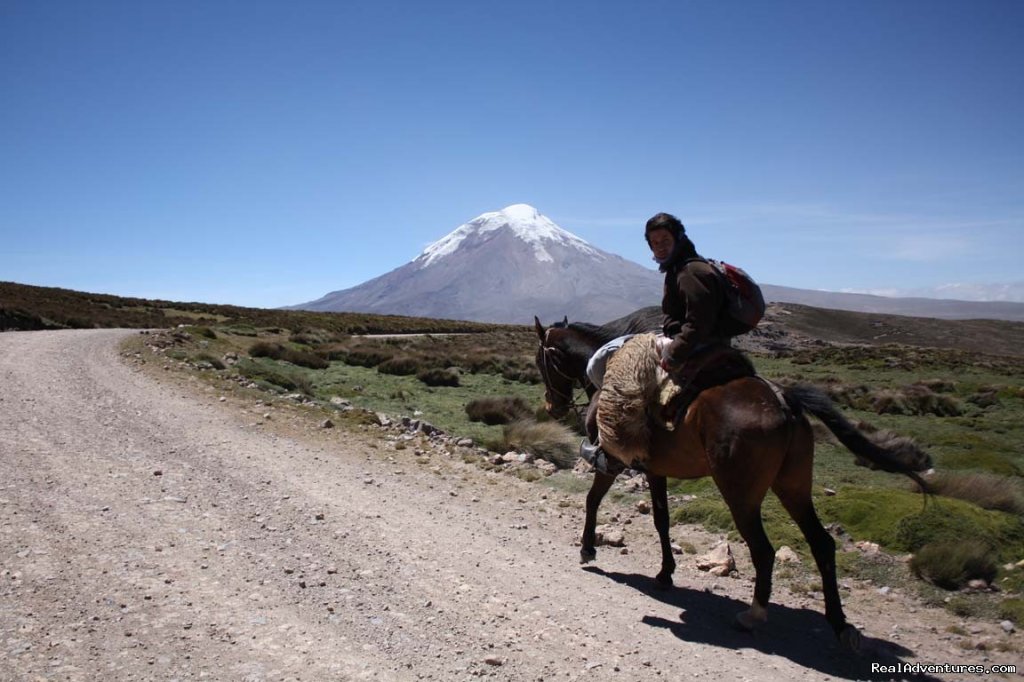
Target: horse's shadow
(800,635)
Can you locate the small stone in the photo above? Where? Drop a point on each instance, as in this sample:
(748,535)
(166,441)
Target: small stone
(606,535)
(222,399)
(829,492)
(786,555)
(327,424)
(158,473)
(494,660)
(643,506)
(1007,626)
(719,561)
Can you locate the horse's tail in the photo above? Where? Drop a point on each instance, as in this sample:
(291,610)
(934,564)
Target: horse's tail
(880,450)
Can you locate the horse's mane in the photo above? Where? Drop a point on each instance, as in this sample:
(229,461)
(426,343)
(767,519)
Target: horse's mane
(647,319)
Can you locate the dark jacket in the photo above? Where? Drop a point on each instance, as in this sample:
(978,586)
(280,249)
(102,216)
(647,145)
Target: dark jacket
(693,304)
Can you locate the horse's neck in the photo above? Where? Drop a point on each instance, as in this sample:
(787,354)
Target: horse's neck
(582,346)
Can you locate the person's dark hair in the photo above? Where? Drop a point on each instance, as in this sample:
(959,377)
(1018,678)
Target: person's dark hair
(664,221)
(667,221)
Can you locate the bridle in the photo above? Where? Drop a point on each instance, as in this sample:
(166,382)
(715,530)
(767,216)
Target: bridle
(547,366)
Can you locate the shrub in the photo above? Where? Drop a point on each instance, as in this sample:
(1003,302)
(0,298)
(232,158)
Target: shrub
(1012,610)
(551,441)
(988,491)
(937,385)
(282,376)
(525,375)
(310,337)
(203,331)
(438,377)
(215,363)
(951,564)
(304,359)
(363,357)
(403,365)
(493,411)
(275,351)
(262,349)
(916,399)
(956,521)
(241,330)
(987,397)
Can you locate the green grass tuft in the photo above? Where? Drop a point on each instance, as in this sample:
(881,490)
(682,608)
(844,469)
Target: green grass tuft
(1013,610)
(951,564)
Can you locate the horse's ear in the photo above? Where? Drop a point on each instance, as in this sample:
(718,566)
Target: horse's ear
(539,327)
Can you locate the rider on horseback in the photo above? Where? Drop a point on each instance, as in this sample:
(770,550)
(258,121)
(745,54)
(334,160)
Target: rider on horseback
(693,301)
(693,304)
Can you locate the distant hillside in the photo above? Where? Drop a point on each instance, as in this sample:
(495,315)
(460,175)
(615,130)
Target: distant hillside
(995,337)
(946,309)
(27,307)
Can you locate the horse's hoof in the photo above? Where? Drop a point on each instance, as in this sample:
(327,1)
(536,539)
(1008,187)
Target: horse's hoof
(750,619)
(744,622)
(587,555)
(851,638)
(663,582)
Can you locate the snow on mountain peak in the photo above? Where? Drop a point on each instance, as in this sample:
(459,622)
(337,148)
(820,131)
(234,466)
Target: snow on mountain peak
(526,222)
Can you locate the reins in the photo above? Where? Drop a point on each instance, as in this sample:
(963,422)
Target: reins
(547,366)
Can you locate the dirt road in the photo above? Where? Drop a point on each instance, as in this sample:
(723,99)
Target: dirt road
(148,531)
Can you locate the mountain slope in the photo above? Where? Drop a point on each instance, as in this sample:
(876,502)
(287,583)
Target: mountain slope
(505,266)
(509,265)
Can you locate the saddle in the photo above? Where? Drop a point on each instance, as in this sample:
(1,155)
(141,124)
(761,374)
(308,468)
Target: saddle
(639,397)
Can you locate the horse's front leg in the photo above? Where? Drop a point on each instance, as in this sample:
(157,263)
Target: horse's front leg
(602,482)
(659,501)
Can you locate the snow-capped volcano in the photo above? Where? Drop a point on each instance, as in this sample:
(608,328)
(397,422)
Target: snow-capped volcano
(524,221)
(505,266)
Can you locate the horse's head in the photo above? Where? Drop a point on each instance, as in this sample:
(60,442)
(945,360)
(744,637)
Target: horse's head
(557,367)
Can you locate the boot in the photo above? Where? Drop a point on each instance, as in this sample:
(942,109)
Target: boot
(594,455)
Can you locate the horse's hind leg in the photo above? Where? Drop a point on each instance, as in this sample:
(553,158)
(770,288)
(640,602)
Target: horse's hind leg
(659,501)
(747,516)
(823,547)
(602,482)
(793,488)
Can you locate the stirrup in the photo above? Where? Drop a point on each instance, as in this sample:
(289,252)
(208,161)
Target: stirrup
(594,455)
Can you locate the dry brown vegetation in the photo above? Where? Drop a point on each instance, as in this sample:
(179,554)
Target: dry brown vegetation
(29,307)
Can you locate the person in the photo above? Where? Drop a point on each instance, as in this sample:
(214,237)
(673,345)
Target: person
(692,305)
(693,302)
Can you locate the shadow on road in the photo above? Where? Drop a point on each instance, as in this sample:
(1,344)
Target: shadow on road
(799,635)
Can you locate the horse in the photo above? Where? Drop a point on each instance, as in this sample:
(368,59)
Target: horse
(749,436)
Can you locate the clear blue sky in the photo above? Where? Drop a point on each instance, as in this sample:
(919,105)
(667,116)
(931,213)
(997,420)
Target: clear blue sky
(265,153)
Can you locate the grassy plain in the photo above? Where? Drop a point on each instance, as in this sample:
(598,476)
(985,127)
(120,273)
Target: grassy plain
(965,408)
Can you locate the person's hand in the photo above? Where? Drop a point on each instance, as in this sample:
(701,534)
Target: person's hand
(670,365)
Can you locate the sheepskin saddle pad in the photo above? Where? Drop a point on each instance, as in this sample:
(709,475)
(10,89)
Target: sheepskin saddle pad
(638,396)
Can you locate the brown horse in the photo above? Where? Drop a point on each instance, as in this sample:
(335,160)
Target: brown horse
(749,436)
